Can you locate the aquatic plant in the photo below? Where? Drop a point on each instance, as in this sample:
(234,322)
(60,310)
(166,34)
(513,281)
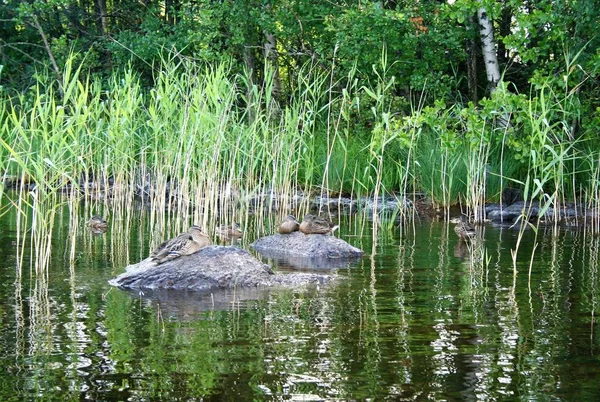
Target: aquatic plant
(210,147)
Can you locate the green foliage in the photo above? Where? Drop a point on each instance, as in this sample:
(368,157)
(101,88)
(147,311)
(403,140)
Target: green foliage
(367,95)
(413,37)
(425,41)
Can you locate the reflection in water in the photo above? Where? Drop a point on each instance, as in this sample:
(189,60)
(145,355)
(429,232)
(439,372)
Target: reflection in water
(443,347)
(591,277)
(296,262)
(186,306)
(424,316)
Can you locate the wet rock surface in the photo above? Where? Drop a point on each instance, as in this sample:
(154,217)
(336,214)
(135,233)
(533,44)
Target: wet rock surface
(298,244)
(396,206)
(530,210)
(213,267)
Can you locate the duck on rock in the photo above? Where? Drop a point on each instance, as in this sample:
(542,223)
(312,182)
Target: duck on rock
(184,244)
(317,225)
(289,224)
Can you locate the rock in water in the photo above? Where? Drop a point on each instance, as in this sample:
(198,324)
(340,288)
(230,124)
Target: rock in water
(213,267)
(312,245)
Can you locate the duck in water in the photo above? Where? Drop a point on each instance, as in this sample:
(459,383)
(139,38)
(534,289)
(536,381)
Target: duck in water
(316,225)
(184,244)
(97,224)
(289,224)
(227,233)
(464,229)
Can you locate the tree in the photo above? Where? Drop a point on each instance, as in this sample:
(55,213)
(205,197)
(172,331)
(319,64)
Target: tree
(488,48)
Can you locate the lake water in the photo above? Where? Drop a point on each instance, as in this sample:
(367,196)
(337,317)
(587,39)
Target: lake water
(420,317)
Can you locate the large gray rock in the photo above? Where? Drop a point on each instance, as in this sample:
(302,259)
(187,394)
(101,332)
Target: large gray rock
(302,245)
(214,267)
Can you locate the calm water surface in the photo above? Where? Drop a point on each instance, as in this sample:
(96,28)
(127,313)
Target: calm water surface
(419,317)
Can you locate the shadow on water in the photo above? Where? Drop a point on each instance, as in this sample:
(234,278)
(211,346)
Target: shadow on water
(421,316)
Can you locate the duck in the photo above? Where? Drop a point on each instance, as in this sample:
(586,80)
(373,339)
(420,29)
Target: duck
(229,232)
(464,229)
(289,224)
(98,223)
(316,225)
(186,243)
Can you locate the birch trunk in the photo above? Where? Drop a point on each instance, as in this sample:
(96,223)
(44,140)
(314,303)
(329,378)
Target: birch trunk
(490,58)
(488,48)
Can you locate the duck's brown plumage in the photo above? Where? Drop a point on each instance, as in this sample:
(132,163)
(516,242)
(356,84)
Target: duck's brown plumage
(97,222)
(316,225)
(289,224)
(184,244)
(464,229)
(229,232)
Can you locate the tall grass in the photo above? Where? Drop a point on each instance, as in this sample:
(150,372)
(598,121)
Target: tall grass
(187,144)
(440,169)
(591,197)
(210,147)
(553,163)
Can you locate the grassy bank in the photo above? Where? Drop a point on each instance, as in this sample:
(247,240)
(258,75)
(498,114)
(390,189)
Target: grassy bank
(202,138)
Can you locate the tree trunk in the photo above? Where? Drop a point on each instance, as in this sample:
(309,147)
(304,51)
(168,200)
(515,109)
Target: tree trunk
(472,55)
(101,17)
(49,51)
(102,26)
(272,56)
(488,48)
(504,31)
(250,65)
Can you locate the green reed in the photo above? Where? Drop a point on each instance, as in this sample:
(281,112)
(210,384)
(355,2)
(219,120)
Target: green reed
(387,164)
(186,142)
(591,197)
(552,163)
(439,168)
(208,146)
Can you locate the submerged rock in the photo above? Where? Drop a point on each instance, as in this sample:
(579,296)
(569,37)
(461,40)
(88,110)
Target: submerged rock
(334,204)
(213,267)
(511,195)
(386,204)
(530,211)
(300,244)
